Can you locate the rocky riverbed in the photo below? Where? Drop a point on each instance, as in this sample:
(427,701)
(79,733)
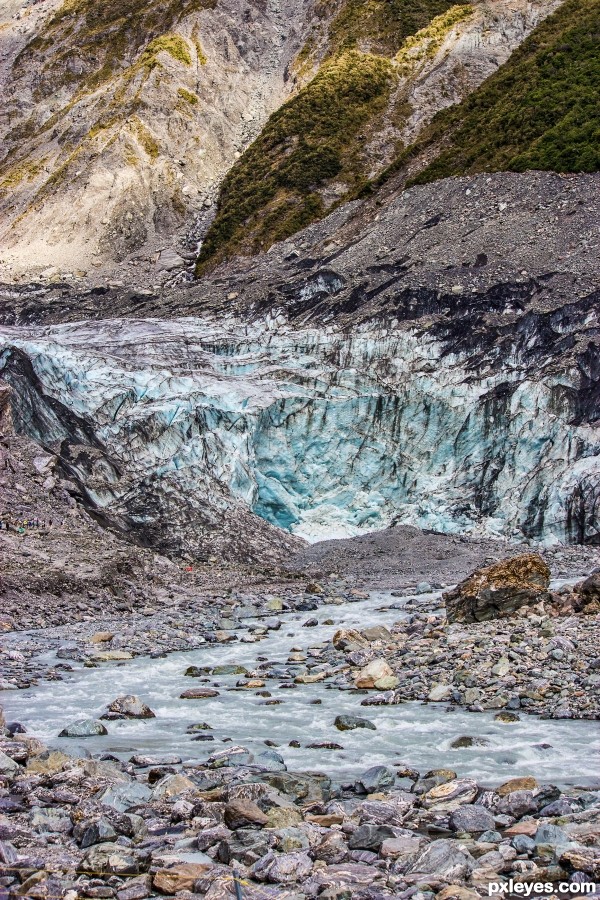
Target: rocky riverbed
(130,803)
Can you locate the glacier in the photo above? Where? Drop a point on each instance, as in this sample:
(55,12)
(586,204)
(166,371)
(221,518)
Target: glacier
(320,432)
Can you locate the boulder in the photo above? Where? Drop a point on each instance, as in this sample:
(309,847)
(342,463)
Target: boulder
(109,859)
(241,813)
(349,723)
(472,819)
(128,707)
(444,859)
(172,786)
(376,669)
(370,837)
(525,783)
(374,779)
(180,877)
(499,590)
(199,694)
(7,765)
(452,794)
(84,728)
(283,868)
(349,639)
(377,633)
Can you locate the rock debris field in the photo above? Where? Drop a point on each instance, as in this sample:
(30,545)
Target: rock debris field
(86,814)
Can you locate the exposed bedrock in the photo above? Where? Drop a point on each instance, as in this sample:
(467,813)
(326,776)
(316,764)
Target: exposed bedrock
(172,427)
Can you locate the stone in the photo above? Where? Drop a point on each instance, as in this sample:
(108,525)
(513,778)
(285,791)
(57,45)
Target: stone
(271,760)
(285,868)
(404,849)
(523,844)
(349,723)
(529,828)
(456,892)
(456,792)
(374,779)
(387,683)
(172,786)
(377,633)
(101,637)
(347,638)
(284,817)
(180,877)
(125,796)
(112,655)
(472,819)
(84,728)
(502,667)
(50,819)
(241,813)
(97,832)
(109,859)
(552,835)
(230,670)
(7,765)
(444,859)
(50,762)
(231,756)
(589,588)
(376,669)
(129,707)
(582,859)
(499,590)
(369,837)
(199,694)
(440,692)
(135,888)
(525,783)
(518,804)
(166,759)
(468,740)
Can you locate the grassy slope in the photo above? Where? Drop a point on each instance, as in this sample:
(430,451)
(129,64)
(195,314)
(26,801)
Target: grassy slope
(318,136)
(541,110)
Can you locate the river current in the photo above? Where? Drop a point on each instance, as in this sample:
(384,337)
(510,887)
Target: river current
(416,734)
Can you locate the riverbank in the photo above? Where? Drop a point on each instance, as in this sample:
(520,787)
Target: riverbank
(99,820)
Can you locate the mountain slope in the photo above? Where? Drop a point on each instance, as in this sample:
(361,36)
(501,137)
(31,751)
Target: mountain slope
(540,111)
(120,120)
(378,86)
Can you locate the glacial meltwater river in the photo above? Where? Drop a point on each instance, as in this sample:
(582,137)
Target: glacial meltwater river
(419,735)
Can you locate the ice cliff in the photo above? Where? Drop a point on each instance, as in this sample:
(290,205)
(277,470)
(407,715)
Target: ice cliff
(317,431)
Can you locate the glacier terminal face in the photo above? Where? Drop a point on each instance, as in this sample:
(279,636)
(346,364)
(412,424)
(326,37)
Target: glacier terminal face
(318,432)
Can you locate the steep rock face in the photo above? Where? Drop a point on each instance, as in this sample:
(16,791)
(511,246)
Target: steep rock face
(120,121)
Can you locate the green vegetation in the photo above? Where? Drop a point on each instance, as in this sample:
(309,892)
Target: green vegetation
(311,154)
(272,191)
(190,98)
(145,137)
(104,36)
(381,25)
(173,44)
(425,43)
(541,110)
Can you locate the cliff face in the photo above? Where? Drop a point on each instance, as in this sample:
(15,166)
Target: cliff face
(120,120)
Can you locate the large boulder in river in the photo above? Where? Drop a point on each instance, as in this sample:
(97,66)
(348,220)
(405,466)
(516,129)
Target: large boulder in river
(497,591)
(128,707)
